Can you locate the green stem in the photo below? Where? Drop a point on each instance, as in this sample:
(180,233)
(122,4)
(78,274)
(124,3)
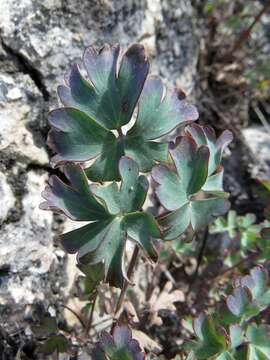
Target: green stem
(75,314)
(90,319)
(120,132)
(125,286)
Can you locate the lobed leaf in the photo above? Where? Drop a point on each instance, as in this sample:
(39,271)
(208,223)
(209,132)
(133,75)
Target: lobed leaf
(238,303)
(58,343)
(114,212)
(105,101)
(205,135)
(47,326)
(118,346)
(181,191)
(259,338)
(210,341)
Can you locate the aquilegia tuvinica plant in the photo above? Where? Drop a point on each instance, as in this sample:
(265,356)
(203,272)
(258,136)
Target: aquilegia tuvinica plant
(105,165)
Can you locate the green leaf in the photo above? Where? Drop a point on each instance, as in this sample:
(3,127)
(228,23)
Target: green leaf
(225,356)
(140,227)
(105,101)
(180,191)
(119,346)
(210,341)
(238,303)
(75,200)
(256,282)
(93,276)
(110,96)
(236,336)
(256,354)
(161,110)
(76,136)
(47,326)
(265,233)
(259,338)
(114,212)
(57,343)
(205,135)
(105,167)
(145,153)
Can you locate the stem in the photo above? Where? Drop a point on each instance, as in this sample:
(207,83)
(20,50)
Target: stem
(75,314)
(124,289)
(252,256)
(245,33)
(120,132)
(90,319)
(200,255)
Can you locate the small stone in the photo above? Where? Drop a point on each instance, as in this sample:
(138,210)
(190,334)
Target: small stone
(258,140)
(7,198)
(14,94)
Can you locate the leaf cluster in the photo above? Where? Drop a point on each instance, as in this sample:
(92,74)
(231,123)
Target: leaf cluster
(249,236)
(236,332)
(118,346)
(48,333)
(110,129)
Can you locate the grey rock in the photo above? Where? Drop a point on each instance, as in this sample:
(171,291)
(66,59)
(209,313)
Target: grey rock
(7,197)
(257,139)
(27,249)
(20,107)
(51,35)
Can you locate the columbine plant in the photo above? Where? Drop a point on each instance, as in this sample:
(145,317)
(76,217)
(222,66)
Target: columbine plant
(97,108)
(236,331)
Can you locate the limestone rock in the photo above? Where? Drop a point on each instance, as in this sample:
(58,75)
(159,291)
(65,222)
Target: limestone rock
(27,249)
(51,36)
(6,196)
(257,139)
(19,108)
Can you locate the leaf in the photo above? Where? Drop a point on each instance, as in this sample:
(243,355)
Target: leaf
(236,336)
(105,101)
(119,346)
(161,110)
(114,212)
(225,356)
(57,343)
(265,233)
(180,191)
(75,199)
(109,96)
(205,135)
(210,341)
(238,303)
(47,326)
(88,283)
(259,338)
(256,282)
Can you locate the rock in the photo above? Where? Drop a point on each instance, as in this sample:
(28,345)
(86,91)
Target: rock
(27,249)
(7,198)
(177,47)
(19,108)
(257,139)
(55,35)
(40,39)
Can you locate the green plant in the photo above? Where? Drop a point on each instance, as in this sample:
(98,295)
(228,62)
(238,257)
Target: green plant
(51,341)
(236,331)
(90,126)
(118,346)
(247,237)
